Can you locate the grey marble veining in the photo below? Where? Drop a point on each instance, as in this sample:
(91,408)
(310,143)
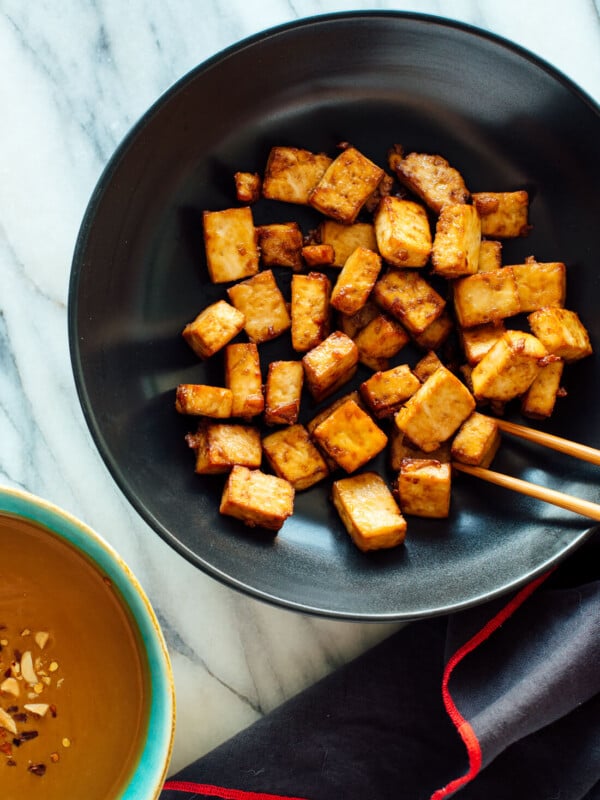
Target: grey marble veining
(74,78)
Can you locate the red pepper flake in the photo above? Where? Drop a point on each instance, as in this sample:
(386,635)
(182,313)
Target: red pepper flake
(37,769)
(52,709)
(6,748)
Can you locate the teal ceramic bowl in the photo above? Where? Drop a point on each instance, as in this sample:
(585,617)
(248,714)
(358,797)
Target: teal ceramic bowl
(148,775)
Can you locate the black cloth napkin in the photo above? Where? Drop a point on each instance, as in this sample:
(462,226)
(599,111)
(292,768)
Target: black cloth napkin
(498,702)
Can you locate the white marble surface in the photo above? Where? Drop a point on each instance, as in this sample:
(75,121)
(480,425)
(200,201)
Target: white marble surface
(74,76)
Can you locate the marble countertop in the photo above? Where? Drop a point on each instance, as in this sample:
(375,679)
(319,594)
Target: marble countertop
(75,77)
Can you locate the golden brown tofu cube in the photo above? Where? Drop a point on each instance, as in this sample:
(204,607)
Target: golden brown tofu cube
(351,324)
(346,186)
(477,441)
(231,244)
(293,456)
(407,296)
(349,436)
(221,445)
(508,369)
(486,297)
(311,315)
(213,328)
(346,238)
(490,255)
(384,392)
(369,512)
(243,377)
(503,214)
(436,410)
(457,240)
(292,173)
(540,284)
(330,364)
(257,499)
(380,340)
(539,400)
(283,392)
(318,255)
(247,186)
(427,366)
(356,280)
(430,177)
(424,488)
(561,332)
(403,233)
(262,304)
(280,245)
(435,334)
(205,401)
(400,447)
(324,413)
(478,340)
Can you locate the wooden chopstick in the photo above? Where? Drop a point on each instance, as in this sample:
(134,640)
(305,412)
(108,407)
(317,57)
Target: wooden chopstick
(583,507)
(574,449)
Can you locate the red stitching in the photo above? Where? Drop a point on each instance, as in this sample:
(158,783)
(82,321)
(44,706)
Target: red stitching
(220,791)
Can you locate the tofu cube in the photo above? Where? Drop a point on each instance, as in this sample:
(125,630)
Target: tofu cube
(318,255)
(219,446)
(330,364)
(243,378)
(351,324)
(310,311)
(561,332)
(384,392)
(349,436)
(486,297)
(539,400)
(257,499)
(435,334)
(540,284)
(477,441)
(457,241)
(356,280)
(346,185)
(280,245)
(436,410)
(293,456)
(430,177)
(380,340)
(323,414)
(509,368)
(400,447)
(247,186)
(201,400)
(368,511)
(403,233)
(230,243)
(283,392)
(292,173)
(477,341)
(427,366)
(504,215)
(262,304)
(490,255)
(424,488)
(213,328)
(346,238)
(407,296)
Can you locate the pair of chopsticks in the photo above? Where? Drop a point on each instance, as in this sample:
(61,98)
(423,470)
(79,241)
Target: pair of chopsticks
(581,451)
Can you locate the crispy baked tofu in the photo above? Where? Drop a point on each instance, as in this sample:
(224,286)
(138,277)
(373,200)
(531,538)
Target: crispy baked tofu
(262,304)
(346,238)
(293,456)
(403,233)
(243,377)
(349,436)
(318,255)
(310,311)
(407,296)
(436,333)
(486,297)
(323,414)
(381,339)
(247,186)
(283,392)
(504,215)
(384,392)
(369,512)
(457,241)
(213,328)
(430,177)
(400,447)
(490,255)
(330,365)
(561,332)
(292,173)
(540,284)
(346,186)
(257,499)
(426,366)
(477,441)
(221,445)
(539,400)
(424,488)
(436,410)
(478,340)
(231,245)
(509,367)
(356,280)
(204,401)
(280,245)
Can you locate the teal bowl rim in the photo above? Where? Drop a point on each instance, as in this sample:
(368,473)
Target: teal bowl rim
(147,780)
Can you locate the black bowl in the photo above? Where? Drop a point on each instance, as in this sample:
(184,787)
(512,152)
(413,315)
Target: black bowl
(505,119)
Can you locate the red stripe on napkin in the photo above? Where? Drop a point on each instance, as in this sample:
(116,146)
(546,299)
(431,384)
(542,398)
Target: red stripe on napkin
(204,789)
(466,732)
